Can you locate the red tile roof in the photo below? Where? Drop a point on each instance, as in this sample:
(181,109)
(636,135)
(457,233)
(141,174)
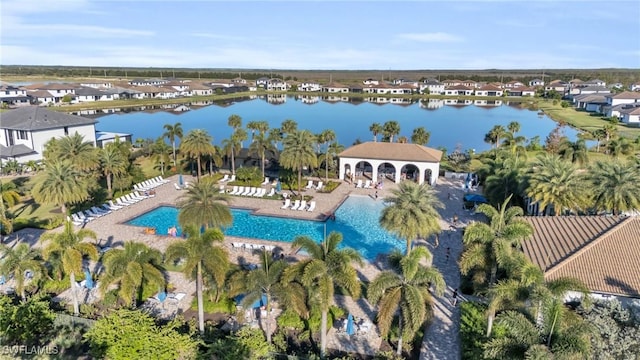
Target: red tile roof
(392,151)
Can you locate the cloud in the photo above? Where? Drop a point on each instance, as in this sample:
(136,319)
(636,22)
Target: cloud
(217,36)
(439,37)
(72,30)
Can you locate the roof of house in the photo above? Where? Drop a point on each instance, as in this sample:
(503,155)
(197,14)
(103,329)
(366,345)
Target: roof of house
(40,94)
(51,86)
(490,88)
(393,151)
(592,98)
(601,251)
(521,89)
(89,91)
(38,118)
(595,88)
(15,150)
(458,87)
(625,95)
(635,111)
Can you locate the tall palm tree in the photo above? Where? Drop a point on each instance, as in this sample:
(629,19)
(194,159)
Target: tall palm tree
(420,136)
(503,176)
(17,261)
(203,205)
(411,212)
(261,145)
(275,135)
(492,246)
(132,268)
(556,182)
(327,137)
(298,152)
(390,129)
(494,135)
(619,147)
(253,126)
(513,127)
(332,151)
(200,254)
(196,144)
(8,198)
(575,152)
(68,246)
(267,280)
(289,126)
(172,132)
(405,291)
(112,163)
(74,149)
(233,145)
(235,121)
(60,183)
(161,154)
(326,267)
(613,186)
(376,129)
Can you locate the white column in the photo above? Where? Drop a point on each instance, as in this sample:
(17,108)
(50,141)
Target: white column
(421,172)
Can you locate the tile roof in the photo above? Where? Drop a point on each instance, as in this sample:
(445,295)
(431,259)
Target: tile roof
(15,150)
(458,87)
(38,118)
(601,251)
(392,151)
(625,95)
(490,88)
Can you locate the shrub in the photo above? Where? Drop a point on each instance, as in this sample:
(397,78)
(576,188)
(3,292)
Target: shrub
(225,305)
(330,186)
(473,324)
(248,174)
(290,320)
(25,323)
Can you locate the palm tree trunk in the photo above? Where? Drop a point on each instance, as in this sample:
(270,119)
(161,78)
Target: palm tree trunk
(267,331)
(300,182)
(63,208)
(74,294)
(233,162)
(175,165)
(409,243)
(399,348)
(199,167)
(262,158)
(109,190)
(553,325)
(326,166)
(200,301)
(492,313)
(323,333)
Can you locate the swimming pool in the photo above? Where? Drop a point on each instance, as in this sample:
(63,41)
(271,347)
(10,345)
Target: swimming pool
(357,219)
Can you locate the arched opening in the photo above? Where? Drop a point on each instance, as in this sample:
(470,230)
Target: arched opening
(409,172)
(363,170)
(427,176)
(386,171)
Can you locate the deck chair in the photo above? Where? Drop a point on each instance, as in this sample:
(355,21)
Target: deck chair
(320,185)
(296,204)
(265,182)
(303,205)
(221,191)
(312,206)
(367,184)
(272,192)
(359,184)
(225,178)
(234,190)
(287,203)
(309,184)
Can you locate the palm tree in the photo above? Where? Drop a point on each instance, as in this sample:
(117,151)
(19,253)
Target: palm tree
(420,136)
(172,132)
(575,152)
(613,186)
(113,163)
(261,145)
(489,247)
(326,267)
(515,144)
(253,126)
(9,198)
(133,268)
(275,136)
(390,129)
(68,246)
(60,183)
(74,149)
(411,212)
(513,127)
(332,151)
(203,205)
(233,145)
(17,261)
(161,153)
(618,147)
(494,135)
(298,152)
(326,137)
(200,254)
(376,129)
(556,182)
(405,291)
(267,280)
(503,176)
(196,144)
(289,126)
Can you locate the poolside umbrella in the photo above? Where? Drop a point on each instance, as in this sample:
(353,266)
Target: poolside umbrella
(263,300)
(88,281)
(278,186)
(180,182)
(350,326)
(162,296)
(467,183)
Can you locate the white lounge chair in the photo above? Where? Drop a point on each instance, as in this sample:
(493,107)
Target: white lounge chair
(122,202)
(265,182)
(240,190)
(77,219)
(221,189)
(312,206)
(177,186)
(130,197)
(136,195)
(246,191)
(234,190)
(100,211)
(359,184)
(260,192)
(309,184)
(367,184)
(232,178)
(287,203)
(252,191)
(106,206)
(272,192)
(320,184)
(114,206)
(75,222)
(295,205)
(303,205)
(163,180)
(224,178)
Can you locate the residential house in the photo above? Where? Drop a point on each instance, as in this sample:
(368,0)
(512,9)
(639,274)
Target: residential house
(558,87)
(536,82)
(433,86)
(635,86)
(590,102)
(97,85)
(620,109)
(276,84)
(470,84)
(513,84)
(458,90)
(25,131)
(595,82)
(402,81)
(57,90)
(120,92)
(87,94)
(335,87)
(626,97)
(603,252)
(371,82)
(590,90)
(103,138)
(41,97)
(309,86)
(148,82)
(13,96)
(262,82)
(520,91)
(182,88)
(198,89)
(356,89)
(454,82)
(489,90)
(239,81)
(630,115)
(616,86)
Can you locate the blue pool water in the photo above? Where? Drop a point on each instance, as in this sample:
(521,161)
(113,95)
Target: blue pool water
(357,219)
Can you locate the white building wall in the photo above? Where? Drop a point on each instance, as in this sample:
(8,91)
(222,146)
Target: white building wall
(422,167)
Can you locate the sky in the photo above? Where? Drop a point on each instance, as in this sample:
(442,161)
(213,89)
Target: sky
(322,35)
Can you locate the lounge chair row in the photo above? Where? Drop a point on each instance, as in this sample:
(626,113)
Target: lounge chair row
(248,191)
(310,185)
(150,184)
(246,246)
(83,217)
(226,178)
(367,184)
(299,205)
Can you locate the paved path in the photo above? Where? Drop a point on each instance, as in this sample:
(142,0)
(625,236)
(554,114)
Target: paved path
(441,340)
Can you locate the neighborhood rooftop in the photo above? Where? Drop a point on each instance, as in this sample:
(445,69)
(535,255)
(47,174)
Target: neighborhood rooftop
(38,118)
(393,151)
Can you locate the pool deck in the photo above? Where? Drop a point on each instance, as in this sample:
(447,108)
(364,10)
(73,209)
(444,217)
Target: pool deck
(113,231)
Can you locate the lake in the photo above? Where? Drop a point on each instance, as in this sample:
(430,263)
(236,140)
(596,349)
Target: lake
(461,124)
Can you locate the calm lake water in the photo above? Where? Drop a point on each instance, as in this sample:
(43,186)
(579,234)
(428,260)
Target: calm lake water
(451,126)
